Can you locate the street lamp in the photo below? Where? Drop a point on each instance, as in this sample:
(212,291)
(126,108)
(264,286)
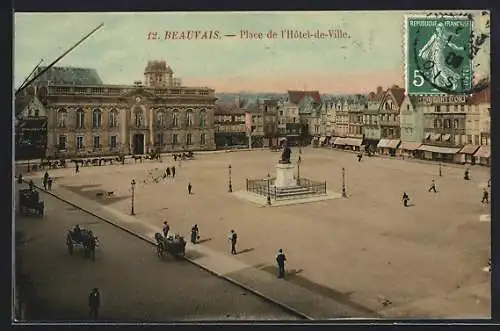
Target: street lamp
(268,189)
(132,186)
(298,170)
(230,184)
(344,195)
(29,169)
(440,172)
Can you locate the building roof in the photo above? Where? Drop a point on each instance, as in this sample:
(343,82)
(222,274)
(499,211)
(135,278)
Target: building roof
(228,108)
(297,96)
(481,97)
(69,76)
(20,103)
(399,94)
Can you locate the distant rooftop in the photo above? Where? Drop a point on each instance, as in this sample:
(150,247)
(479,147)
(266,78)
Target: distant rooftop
(70,76)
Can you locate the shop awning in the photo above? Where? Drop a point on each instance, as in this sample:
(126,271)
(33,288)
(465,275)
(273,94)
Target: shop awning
(409,146)
(438,149)
(483,151)
(340,141)
(383,143)
(469,149)
(435,136)
(393,143)
(353,141)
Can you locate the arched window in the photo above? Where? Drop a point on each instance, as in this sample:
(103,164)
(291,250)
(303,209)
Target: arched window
(96,118)
(175,119)
(189,116)
(455,124)
(62,116)
(138,118)
(160,119)
(80,118)
(113,118)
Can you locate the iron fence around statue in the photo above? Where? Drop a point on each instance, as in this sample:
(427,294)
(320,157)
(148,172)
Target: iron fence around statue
(260,186)
(313,186)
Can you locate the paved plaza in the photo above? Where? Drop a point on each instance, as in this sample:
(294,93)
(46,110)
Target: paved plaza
(135,285)
(367,251)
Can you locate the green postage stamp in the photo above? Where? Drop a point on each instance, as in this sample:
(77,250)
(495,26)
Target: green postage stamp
(438,54)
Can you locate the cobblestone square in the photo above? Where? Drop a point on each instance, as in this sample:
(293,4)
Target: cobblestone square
(368,250)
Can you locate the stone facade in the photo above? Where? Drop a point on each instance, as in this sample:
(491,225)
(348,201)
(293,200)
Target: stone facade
(85,120)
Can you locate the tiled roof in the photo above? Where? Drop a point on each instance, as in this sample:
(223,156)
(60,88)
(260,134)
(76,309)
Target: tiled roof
(225,108)
(297,96)
(481,97)
(399,94)
(70,76)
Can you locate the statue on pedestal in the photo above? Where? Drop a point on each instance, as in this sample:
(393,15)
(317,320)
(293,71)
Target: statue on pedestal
(285,155)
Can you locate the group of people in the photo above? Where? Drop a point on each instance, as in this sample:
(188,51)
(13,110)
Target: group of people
(432,187)
(170,171)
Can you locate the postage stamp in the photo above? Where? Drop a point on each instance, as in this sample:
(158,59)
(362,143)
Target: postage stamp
(438,54)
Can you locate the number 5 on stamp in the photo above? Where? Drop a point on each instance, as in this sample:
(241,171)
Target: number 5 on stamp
(437,54)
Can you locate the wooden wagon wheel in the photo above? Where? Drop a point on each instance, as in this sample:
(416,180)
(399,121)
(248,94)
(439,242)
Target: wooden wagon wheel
(69,243)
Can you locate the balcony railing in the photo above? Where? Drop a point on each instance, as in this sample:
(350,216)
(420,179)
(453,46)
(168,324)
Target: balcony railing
(114,91)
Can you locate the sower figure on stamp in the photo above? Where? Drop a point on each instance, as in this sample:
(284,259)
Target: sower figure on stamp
(280,260)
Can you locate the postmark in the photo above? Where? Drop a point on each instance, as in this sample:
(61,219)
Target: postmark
(438,54)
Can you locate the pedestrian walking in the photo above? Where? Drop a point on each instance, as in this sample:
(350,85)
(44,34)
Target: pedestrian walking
(466,174)
(485,196)
(195,234)
(94,302)
(405,199)
(168,171)
(77,167)
(233,237)
(360,156)
(20,179)
(190,187)
(49,183)
(173,171)
(166,229)
(433,186)
(45,180)
(280,260)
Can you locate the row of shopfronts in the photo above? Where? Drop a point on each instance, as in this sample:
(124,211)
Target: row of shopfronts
(471,154)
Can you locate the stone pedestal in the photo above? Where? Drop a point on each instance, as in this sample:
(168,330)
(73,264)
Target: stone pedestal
(284,175)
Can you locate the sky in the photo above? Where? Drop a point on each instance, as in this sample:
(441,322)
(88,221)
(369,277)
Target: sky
(372,56)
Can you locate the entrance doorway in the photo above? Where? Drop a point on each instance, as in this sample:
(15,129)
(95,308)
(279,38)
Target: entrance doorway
(138,143)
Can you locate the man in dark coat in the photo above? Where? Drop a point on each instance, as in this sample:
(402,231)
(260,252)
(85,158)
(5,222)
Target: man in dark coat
(173,171)
(485,196)
(190,187)
(94,302)
(166,229)
(280,260)
(233,237)
(405,199)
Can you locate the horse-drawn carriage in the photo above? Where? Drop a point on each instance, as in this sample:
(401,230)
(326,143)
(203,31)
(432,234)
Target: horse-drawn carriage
(173,244)
(82,239)
(30,203)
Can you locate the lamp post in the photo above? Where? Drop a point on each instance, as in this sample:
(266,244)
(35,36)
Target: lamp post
(298,170)
(230,183)
(29,169)
(268,189)
(344,195)
(440,172)
(132,186)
